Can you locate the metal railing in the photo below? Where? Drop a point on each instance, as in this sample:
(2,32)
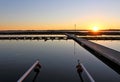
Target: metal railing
(89,76)
(35,65)
(80,68)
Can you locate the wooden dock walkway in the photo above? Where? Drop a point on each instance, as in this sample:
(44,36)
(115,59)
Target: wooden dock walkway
(110,54)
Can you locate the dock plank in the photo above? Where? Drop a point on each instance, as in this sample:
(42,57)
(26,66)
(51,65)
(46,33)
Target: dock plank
(106,52)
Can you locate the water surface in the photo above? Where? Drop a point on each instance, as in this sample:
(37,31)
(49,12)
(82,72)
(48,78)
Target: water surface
(57,59)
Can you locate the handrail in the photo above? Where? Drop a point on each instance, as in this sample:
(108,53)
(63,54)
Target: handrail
(29,71)
(89,76)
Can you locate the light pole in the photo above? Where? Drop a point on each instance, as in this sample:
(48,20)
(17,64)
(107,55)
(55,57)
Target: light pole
(75,28)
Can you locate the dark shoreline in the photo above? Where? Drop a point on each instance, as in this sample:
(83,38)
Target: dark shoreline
(40,32)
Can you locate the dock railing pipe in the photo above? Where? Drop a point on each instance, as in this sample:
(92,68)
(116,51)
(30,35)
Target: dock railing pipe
(29,71)
(89,76)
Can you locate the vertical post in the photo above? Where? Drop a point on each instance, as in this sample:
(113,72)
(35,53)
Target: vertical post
(75,28)
(74,41)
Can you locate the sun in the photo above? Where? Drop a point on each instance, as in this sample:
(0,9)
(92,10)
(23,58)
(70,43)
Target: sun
(95,28)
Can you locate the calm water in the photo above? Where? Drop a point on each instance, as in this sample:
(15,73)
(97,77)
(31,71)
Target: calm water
(57,59)
(111,44)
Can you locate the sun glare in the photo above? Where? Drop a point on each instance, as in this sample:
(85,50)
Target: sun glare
(95,28)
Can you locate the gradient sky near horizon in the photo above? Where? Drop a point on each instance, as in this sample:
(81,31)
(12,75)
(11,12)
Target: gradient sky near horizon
(59,14)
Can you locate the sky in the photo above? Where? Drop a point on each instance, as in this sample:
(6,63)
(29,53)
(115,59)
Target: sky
(59,14)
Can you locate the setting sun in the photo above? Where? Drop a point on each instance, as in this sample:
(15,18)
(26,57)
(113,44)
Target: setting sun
(95,28)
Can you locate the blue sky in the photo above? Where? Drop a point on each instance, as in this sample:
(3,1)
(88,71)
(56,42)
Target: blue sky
(59,14)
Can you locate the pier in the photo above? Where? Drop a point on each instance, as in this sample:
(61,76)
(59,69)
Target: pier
(112,57)
(109,57)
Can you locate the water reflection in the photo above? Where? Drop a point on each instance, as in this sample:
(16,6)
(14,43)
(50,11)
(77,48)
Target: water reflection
(56,57)
(111,64)
(37,71)
(79,71)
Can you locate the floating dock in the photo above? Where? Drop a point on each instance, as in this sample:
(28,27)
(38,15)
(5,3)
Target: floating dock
(109,54)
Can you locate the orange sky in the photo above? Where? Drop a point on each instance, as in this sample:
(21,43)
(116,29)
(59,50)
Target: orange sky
(59,14)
